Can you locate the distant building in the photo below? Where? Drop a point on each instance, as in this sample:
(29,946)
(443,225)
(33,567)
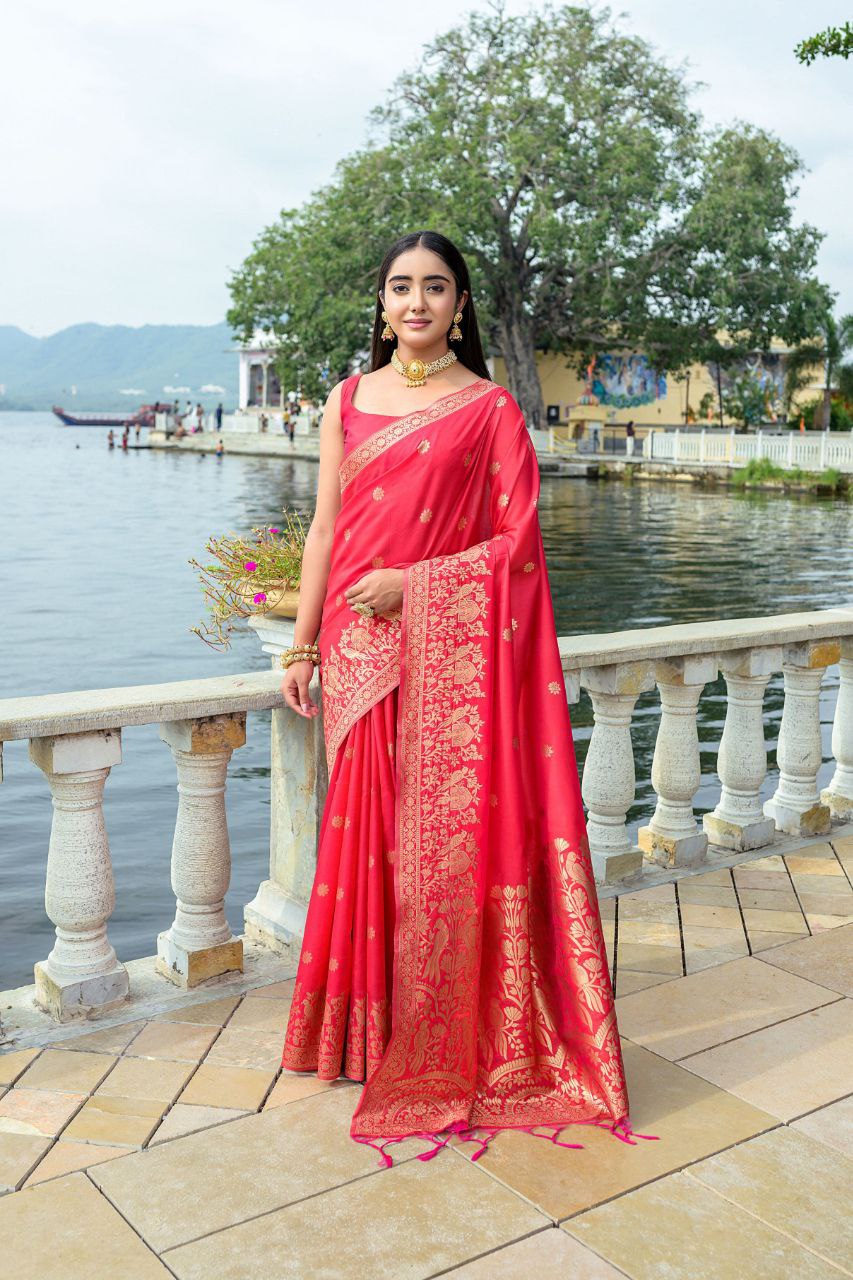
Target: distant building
(259,387)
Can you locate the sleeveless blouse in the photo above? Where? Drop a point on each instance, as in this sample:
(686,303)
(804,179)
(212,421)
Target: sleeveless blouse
(358,425)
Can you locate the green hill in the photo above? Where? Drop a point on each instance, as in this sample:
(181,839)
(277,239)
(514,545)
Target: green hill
(116,366)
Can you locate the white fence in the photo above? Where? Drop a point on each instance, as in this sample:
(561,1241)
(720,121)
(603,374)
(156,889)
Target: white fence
(809,450)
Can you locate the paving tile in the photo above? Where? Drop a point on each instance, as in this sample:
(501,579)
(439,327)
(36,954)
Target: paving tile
(261,1014)
(746,878)
(445,1211)
(652,910)
(547,1255)
(18,1155)
(789,1068)
(773,921)
(607,908)
(769,899)
(775,1177)
(629,980)
(180,1041)
(814,867)
(108,1040)
(204,1013)
(275,990)
(697,1235)
(243,1168)
(827,904)
(247,1048)
(774,862)
(664,933)
(219,1086)
(820,850)
(649,958)
(61,1069)
(146,1078)
(708,895)
(716,878)
(819,924)
(64,1228)
(15,1063)
(836,885)
(293,1086)
(695,913)
(826,959)
(121,1122)
(832,1125)
(690,1121)
(37,1112)
(183,1119)
(761,941)
(717,1004)
(657,893)
(67,1157)
(705,947)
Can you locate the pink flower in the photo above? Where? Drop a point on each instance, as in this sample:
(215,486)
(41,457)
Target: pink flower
(260,597)
(273,529)
(250,566)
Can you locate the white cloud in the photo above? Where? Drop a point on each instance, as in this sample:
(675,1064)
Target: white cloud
(144,145)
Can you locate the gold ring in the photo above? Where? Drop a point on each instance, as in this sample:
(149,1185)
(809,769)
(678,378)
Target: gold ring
(366,610)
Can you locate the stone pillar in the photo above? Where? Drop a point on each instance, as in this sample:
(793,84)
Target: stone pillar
(81,975)
(673,838)
(796,807)
(738,821)
(608,784)
(299,781)
(199,945)
(838,796)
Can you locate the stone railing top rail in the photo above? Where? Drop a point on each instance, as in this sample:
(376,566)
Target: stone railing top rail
(85,710)
(723,635)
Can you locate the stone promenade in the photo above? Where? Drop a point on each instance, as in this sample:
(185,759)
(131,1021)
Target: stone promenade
(174,1146)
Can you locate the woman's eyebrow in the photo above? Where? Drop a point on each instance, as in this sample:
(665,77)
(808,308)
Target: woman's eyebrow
(391,278)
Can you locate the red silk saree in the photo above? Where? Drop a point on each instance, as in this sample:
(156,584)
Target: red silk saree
(453,955)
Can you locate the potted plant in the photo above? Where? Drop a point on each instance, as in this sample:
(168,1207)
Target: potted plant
(249,575)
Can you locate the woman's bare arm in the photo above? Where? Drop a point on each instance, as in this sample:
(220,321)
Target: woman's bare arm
(316,555)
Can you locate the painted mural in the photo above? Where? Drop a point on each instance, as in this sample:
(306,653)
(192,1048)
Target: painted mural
(768,370)
(625,381)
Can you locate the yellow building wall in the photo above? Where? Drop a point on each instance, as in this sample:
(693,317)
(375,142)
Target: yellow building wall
(564,387)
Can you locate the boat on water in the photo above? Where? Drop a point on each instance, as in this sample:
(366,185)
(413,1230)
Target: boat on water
(141,417)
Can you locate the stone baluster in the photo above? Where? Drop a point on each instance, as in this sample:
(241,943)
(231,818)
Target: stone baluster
(672,837)
(299,781)
(81,974)
(608,784)
(738,821)
(796,807)
(838,796)
(199,945)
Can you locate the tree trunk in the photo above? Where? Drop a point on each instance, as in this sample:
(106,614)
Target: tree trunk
(519,352)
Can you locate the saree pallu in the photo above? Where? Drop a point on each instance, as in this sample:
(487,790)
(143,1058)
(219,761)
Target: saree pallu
(453,956)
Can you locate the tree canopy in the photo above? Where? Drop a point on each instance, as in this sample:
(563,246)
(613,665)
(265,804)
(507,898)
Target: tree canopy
(595,211)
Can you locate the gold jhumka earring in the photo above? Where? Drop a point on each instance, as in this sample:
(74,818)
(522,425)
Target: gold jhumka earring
(455,334)
(388,332)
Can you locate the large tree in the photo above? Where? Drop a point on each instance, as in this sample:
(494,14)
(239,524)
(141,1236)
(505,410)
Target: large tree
(565,160)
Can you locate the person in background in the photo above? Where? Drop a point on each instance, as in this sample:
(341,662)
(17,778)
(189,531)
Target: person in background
(188,409)
(124,437)
(263,422)
(138,432)
(219,417)
(291,426)
(629,439)
(111,439)
(219,449)
(199,416)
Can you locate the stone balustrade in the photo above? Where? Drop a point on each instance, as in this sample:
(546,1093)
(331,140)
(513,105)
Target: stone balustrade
(75,739)
(615,669)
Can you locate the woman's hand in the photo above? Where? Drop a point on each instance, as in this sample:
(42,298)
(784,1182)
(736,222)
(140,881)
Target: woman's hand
(294,686)
(383,588)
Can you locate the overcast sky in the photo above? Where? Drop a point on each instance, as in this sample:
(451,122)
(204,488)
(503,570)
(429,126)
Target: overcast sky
(143,144)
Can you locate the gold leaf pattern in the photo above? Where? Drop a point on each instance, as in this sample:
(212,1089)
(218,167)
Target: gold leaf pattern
(378,493)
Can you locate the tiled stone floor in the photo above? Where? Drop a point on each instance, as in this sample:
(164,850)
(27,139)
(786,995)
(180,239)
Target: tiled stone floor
(174,1145)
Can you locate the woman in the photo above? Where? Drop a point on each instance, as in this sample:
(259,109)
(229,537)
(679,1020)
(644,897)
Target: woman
(453,956)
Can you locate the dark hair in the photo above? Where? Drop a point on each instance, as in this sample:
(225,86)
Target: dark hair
(470,349)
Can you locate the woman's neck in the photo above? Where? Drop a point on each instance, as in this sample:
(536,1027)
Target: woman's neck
(427,354)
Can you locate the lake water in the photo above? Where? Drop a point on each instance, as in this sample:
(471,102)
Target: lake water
(97,592)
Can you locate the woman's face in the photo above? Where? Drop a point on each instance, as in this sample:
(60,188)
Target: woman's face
(420,297)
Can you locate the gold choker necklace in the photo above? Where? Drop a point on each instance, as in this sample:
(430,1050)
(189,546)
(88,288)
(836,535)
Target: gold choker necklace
(416,371)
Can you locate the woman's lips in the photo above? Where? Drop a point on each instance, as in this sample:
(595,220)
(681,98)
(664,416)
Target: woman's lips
(418,324)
